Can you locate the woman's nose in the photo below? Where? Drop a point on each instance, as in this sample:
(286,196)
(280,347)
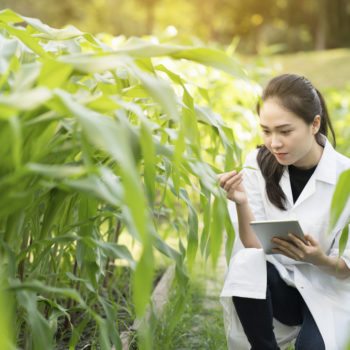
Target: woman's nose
(275,142)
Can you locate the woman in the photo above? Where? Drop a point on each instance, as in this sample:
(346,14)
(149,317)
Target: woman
(302,291)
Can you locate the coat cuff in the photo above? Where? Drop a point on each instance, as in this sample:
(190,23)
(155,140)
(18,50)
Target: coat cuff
(246,276)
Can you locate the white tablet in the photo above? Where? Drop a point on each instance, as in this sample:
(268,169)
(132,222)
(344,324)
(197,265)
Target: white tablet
(266,230)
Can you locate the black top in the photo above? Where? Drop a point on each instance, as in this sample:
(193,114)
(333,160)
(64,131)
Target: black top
(298,179)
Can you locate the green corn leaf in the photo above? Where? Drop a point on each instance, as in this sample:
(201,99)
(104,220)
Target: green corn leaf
(104,341)
(77,332)
(111,321)
(54,74)
(42,335)
(190,123)
(343,239)
(113,138)
(165,248)
(161,91)
(174,77)
(25,77)
(178,156)
(37,286)
(340,198)
(8,48)
(93,185)
(11,67)
(149,155)
(9,16)
(6,322)
(95,62)
(26,100)
(230,237)
(216,228)
(116,251)
(205,200)
(17,141)
(142,280)
(214,58)
(57,171)
(207,56)
(26,39)
(192,236)
(87,209)
(53,211)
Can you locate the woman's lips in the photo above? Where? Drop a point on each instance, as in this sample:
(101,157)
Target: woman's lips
(281,155)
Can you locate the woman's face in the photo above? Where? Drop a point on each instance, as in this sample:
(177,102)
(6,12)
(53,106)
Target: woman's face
(287,136)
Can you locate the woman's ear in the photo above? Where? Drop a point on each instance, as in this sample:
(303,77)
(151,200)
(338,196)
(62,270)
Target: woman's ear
(316,124)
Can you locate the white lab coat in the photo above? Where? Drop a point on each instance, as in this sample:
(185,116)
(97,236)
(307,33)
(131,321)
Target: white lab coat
(327,297)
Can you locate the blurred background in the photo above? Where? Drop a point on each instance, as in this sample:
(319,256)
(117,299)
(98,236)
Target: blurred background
(277,25)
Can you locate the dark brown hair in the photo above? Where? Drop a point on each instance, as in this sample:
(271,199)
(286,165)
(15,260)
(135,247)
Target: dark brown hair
(298,95)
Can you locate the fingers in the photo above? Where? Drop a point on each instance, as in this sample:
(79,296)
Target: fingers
(297,241)
(226,180)
(312,240)
(289,249)
(223,177)
(303,244)
(231,190)
(233,182)
(281,250)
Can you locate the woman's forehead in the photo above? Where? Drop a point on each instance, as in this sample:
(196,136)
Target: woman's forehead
(273,114)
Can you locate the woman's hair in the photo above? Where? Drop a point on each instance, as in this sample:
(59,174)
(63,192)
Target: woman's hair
(296,94)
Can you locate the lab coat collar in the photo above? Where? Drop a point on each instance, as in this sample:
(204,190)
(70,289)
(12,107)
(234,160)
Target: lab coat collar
(325,171)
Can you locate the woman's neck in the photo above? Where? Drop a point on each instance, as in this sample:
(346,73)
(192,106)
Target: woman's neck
(311,159)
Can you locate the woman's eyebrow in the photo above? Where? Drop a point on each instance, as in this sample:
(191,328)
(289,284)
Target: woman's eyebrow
(277,127)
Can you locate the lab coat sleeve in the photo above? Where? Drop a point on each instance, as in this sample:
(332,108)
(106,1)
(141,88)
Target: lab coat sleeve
(254,187)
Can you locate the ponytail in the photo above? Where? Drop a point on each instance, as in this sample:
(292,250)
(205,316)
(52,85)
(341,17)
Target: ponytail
(326,123)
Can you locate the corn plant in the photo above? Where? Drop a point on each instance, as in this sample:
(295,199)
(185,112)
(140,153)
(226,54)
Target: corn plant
(98,142)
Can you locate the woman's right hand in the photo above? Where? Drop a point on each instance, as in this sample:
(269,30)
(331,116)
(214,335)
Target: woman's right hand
(231,182)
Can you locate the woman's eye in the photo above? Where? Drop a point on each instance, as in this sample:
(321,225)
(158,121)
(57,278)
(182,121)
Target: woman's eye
(286,132)
(266,132)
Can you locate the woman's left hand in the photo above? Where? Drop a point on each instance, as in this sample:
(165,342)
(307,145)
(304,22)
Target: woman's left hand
(310,251)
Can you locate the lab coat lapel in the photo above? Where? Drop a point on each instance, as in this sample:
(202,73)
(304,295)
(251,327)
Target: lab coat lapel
(307,191)
(286,187)
(326,170)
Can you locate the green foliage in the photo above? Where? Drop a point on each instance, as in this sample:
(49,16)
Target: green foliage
(100,143)
(6,315)
(338,102)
